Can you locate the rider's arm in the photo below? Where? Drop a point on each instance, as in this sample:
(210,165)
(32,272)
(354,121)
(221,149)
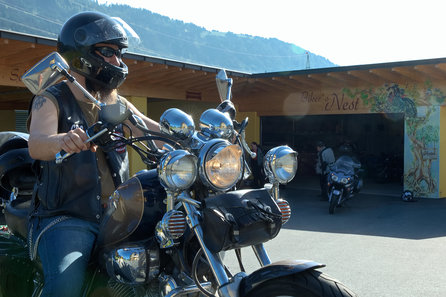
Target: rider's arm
(329,157)
(151,124)
(44,141)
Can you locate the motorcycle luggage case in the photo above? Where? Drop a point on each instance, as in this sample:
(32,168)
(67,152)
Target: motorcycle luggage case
(240,218)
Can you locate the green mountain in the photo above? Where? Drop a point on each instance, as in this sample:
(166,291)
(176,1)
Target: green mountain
(166,38)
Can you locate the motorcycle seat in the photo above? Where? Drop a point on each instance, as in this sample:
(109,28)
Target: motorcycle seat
(16,216)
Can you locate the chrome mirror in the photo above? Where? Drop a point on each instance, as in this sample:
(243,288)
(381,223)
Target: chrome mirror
(44,74)
(224,85)
(47,72)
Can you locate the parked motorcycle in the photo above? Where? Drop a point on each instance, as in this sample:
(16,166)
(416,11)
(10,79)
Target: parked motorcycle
(165,230)
(343,181)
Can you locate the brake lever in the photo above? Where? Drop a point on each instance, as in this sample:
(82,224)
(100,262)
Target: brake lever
(62,155)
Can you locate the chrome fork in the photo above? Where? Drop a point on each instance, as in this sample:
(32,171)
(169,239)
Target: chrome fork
(226,287)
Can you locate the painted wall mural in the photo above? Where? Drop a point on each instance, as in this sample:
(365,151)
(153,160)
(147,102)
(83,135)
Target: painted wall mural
(421,146)
(421,106)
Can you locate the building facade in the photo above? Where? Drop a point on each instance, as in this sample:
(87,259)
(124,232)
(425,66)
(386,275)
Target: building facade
(382,108)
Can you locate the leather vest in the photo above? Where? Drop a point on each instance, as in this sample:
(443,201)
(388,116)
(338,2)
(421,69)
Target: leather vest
(73,187)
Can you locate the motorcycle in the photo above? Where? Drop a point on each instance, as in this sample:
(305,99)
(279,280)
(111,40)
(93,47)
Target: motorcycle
(343,181)
(165,230)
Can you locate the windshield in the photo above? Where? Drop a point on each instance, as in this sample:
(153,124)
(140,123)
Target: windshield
(346,165)
(123,214)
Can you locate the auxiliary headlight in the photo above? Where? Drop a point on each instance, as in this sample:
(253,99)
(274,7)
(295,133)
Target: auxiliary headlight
(281,164)
(177,170)
(221,164)
(177,123)
(334,177)
(344,180)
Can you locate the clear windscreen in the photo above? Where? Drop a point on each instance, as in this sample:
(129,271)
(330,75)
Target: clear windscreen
(102,29)
(123,213)
(346,165)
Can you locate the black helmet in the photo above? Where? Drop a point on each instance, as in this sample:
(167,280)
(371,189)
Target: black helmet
(345,149)
(76,44)
(407,196)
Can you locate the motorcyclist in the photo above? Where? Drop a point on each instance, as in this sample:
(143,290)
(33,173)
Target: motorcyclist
(325,158)
(257,165)
(69,197)
(349,162)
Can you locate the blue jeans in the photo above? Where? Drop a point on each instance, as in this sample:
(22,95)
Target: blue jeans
(64,250)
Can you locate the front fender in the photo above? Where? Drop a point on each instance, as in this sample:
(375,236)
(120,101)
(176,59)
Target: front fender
(275,270)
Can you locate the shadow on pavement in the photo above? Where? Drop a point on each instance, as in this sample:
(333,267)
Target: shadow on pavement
(368,213)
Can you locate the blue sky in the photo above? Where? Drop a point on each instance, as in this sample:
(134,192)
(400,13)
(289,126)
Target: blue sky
(346,32)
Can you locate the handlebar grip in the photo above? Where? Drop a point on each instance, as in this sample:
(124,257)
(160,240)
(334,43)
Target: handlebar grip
(62,155)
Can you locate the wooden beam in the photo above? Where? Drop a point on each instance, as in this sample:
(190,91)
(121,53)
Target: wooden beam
(388,75)
(292,84)
(325,80)
(441,67)
(345,78)
(367,76)
(311,84)
(410,73)
(431,71)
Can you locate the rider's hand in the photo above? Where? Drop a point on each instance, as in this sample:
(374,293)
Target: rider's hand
(74,141)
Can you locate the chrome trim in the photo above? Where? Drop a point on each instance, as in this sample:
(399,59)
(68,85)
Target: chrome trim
(173,224)
(184,291)
(215,124)
(183,198)
(166,174)
(202,160)
(285,209)
(214,260)
(270,161)
(177,123)
(128,265)
(261,254)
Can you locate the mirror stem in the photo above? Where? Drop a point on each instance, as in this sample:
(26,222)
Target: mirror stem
(229,94)
(71,79)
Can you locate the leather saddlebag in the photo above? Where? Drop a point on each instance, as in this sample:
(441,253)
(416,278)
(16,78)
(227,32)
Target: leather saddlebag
(240,218)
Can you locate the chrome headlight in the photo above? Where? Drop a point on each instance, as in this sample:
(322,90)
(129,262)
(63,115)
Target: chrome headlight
(215,124)
(344,180)
(177,170)
(177,123)
(280,164)
(334,178)
(220,164)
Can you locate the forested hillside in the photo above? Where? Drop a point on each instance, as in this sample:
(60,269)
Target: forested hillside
(164,37)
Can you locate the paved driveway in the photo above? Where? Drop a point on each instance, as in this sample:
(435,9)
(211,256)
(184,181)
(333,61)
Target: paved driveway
(379,246)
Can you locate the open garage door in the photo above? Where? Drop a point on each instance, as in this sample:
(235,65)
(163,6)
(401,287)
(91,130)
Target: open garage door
(378,140)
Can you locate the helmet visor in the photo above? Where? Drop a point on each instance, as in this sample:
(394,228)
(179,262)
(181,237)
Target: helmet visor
(101,31)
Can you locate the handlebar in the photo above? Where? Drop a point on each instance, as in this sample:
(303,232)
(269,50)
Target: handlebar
(242,138)
(62,155)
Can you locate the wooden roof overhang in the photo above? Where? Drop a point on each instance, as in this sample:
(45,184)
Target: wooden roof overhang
(168,79)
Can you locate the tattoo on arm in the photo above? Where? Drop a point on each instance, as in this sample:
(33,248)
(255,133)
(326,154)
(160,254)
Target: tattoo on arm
(38,102)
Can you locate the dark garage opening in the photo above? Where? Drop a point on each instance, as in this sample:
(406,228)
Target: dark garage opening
(377,139)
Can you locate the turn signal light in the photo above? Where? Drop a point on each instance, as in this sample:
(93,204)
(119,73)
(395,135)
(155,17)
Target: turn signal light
(285,209)
(176,224)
